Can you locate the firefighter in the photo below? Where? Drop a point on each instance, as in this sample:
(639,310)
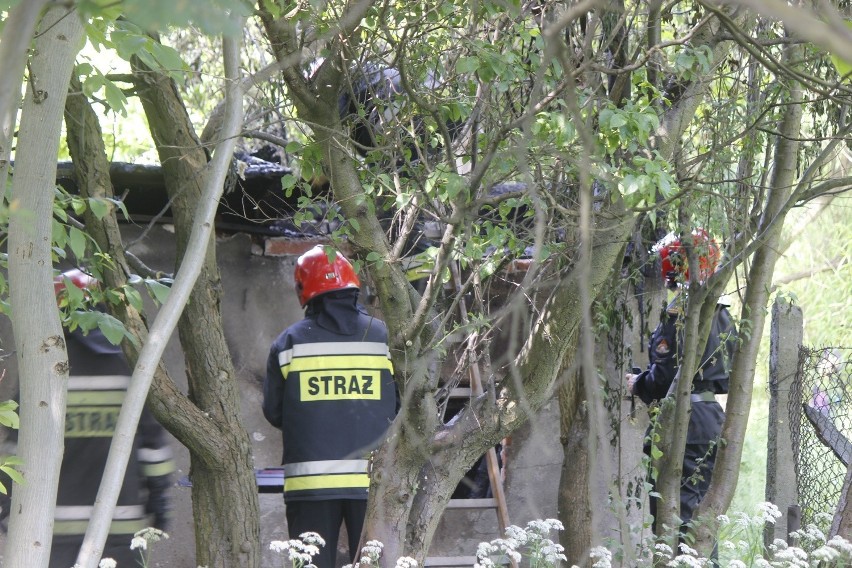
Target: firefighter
(655,383)
(329,387)
(99,377)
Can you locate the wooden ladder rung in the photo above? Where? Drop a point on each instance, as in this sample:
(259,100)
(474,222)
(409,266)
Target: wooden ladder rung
(450,561)
(472,504)
(460,392)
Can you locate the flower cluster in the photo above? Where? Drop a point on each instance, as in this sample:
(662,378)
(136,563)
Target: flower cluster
(300,551)
(372,552)
(142,538)
(532,541)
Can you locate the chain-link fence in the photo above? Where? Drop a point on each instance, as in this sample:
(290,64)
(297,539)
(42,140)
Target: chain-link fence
(820,410)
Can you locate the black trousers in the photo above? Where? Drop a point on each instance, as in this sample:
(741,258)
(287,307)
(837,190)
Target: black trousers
(325,518)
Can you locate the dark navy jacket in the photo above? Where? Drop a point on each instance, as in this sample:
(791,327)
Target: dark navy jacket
(332,394)
(99,377)
(712,376)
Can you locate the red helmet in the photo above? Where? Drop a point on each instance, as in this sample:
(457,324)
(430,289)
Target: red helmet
(79,278)
(316,274)
(673,258)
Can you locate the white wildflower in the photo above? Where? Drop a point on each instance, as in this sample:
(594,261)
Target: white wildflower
(543,527)
(768,512)
(279,545)
(723,519)
(737,564)
(553,553)
(662,549)
(138,542)
(841,544)
(517,534)
(106,563)
(686,550)
(151,534)
(778,544)
(373,549)
(484,563)
(484,549)
(505,544)
(312,538)
(406,562)
(825,554)
(299,558)
(760,562)
(742,520)
(601,556)
(687,560)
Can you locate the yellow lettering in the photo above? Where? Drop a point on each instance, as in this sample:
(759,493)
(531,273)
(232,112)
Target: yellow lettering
(363,384)
(91,421)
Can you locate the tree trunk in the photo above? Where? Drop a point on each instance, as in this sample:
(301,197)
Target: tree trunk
(40,348)
(85,142)
(225,503)
(759,278)
(574,500)
(17,34)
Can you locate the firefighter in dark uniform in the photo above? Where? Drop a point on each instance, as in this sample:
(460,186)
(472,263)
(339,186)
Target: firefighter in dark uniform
(99,377)
(706,417)
(329,388)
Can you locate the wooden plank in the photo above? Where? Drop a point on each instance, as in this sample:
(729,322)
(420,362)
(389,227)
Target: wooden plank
(450,561)
(829,434)
(460,392)
(472,504)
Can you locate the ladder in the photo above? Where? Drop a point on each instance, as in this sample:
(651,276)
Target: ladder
(495,478)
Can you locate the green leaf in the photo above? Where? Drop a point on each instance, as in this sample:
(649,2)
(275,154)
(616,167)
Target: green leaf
(170,61)
(83,69)
(8,416)
(288,182)
(159,291)
(99,207)
(112,328)
(77,241)
(134,298)
(617,121)
(213,17)
(79,206)
(122,207)
(128,44)
(14,474)
(93,84)
(115,98)
(844,68)
(272,7)
(467,64)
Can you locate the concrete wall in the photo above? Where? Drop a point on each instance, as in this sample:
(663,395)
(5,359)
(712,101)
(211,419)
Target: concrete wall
(786,332)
